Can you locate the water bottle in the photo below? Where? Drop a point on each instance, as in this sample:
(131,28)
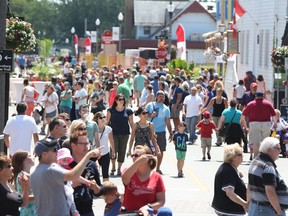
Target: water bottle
(273,133)
(150,211)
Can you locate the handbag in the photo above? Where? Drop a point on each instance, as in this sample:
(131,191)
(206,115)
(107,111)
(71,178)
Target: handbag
(225,129)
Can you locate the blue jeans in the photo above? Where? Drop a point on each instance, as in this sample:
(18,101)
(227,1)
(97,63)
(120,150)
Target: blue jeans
(259,210)
(65,109)
(191,123)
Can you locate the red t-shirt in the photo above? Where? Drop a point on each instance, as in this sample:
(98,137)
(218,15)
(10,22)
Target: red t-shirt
(138,194)
(206,129)
(259,110)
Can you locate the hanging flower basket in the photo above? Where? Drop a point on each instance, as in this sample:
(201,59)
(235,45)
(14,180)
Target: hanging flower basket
(278,56)
(19,35)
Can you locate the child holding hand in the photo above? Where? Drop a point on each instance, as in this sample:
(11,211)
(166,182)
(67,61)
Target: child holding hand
(206,126)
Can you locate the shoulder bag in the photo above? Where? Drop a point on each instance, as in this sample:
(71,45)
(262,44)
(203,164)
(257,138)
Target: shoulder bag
(225,129)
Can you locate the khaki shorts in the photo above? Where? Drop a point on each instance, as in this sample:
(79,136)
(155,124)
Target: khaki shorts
(206,142)
(137,94)
(258,131)
(175,114)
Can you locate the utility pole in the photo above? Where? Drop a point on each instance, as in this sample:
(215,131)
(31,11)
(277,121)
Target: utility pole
(4,77)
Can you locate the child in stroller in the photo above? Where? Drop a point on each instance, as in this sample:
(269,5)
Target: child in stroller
(38,113)
(282,132)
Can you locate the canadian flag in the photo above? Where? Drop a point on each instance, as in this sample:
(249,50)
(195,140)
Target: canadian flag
(238,12)
(181,42)
(88,46)
(76,44)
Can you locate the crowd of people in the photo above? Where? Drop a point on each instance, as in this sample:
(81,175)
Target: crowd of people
(66,177)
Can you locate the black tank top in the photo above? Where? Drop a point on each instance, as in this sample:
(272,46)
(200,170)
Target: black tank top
(218,108)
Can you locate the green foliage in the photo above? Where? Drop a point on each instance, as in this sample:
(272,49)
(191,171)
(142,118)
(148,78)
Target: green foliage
(44,71)
(278,56)
(57,19)
(181,64)
(19,35)
(45,48)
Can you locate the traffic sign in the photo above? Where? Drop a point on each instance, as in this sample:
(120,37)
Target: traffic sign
(161,53)
(107,37)
(6,60)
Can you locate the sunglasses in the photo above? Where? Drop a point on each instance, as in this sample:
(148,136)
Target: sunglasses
(144,113)
(136,155)
(6,166)
(67,119)
(63,126)
(277,148)
(102,117)
(121,99)
(81,129)
(85,111)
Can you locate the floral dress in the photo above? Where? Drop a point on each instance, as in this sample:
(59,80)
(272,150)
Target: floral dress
(30,209)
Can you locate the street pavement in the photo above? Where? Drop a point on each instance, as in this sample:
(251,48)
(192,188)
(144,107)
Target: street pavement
(193,194)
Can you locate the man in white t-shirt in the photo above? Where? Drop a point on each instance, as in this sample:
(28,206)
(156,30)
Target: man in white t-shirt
(19,130)
(192,106)
(80,98)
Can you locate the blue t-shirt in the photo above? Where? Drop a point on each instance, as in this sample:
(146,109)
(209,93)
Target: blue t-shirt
(159,121)
(180,141)
(155,83)
(229,113)
(139,80)
(113,208)
(177,91)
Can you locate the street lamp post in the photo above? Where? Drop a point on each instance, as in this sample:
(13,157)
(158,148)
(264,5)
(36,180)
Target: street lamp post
(72,32)
(221,45)
(120,18)
(97,23)
(170,9)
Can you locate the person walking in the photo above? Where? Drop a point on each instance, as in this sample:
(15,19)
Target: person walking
(176,102)
(107,142)
(192,112)
(231,116)
(159,115)
(143,133)
(29,95)
(259,113)
(230,191)
(119,117)
(180,141)
(19,130)
(206,126)
(219,103)
(268,193)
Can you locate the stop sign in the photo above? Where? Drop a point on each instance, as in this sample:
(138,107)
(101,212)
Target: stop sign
(161,53)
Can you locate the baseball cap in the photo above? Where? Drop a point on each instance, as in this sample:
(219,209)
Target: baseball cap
(215,75)
(206,114)
(115,83)
(64,153)
(44,145)
(253,85)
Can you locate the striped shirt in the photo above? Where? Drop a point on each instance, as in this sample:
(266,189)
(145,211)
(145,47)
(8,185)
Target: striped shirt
(262,171)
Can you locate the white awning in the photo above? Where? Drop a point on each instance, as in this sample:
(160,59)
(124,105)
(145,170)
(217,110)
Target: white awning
(209,34)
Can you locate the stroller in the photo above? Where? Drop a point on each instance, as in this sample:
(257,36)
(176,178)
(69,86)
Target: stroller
(38,113)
